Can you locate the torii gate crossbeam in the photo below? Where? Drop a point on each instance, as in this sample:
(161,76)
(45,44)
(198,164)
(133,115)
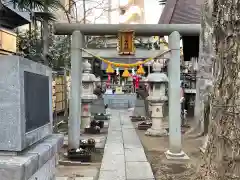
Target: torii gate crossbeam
(173,30)
(139,29)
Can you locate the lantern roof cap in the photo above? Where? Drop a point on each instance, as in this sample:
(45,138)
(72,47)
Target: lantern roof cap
(157,66)
(87,67)
(157,77)
(87,76)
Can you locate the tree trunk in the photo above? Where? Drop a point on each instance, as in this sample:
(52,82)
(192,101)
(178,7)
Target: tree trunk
(222,157)
(84,11)
(45,41)
(45,38)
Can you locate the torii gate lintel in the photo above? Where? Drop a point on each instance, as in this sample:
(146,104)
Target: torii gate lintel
(139,29)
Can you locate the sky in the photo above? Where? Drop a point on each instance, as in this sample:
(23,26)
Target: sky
(152,11)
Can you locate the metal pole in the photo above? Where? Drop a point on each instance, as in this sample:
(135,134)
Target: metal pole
(175,144)
(75,98)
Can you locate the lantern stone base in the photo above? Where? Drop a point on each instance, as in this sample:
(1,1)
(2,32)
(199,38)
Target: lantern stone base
(156,132)
(157,128)
(176,156)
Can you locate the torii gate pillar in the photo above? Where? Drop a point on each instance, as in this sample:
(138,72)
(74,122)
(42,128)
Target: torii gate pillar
(175,137)
(75,92)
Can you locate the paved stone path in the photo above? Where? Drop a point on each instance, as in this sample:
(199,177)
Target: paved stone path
(124,157)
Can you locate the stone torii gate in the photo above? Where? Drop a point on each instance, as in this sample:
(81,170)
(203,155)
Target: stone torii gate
(173,30)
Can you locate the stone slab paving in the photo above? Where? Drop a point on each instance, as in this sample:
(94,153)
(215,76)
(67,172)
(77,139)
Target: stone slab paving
(124,157)
(76,178)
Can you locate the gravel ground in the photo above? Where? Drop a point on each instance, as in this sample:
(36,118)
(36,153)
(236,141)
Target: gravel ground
(164,169)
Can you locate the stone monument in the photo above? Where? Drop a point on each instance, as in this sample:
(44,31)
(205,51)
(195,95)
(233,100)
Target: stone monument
(28,149)
(88,80)
(157,98)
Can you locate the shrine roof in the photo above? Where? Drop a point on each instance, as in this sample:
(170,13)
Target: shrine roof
(181,12)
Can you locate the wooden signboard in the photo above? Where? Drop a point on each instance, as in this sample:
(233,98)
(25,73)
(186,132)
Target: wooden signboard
(119,90)
(8,41)
(126,42)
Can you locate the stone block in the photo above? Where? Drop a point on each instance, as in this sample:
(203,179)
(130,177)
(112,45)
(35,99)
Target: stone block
(17,127)
(114,126)
(112,175)
(114,149)
(135,155)
(61,178)
(114,137)
(130,126)
(131,139)
(138,171)
(47,149)
(29,163)
(84,178)
(46,172)
(125,120)
(110,162)
(143,179)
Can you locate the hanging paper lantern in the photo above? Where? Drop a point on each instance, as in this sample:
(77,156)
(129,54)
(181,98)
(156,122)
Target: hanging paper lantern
(109,69)
(140,70)
(126,73)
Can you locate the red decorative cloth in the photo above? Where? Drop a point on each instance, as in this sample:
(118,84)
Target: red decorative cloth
(85,108)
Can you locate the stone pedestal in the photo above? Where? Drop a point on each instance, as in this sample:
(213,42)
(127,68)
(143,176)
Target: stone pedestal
(176,156)
(28,149)
(25,117)
(36,163)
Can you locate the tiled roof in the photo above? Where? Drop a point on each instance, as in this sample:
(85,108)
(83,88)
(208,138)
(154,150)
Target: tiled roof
(181,12)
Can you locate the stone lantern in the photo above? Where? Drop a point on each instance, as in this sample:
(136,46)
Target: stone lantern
(157,98)
(88,81)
